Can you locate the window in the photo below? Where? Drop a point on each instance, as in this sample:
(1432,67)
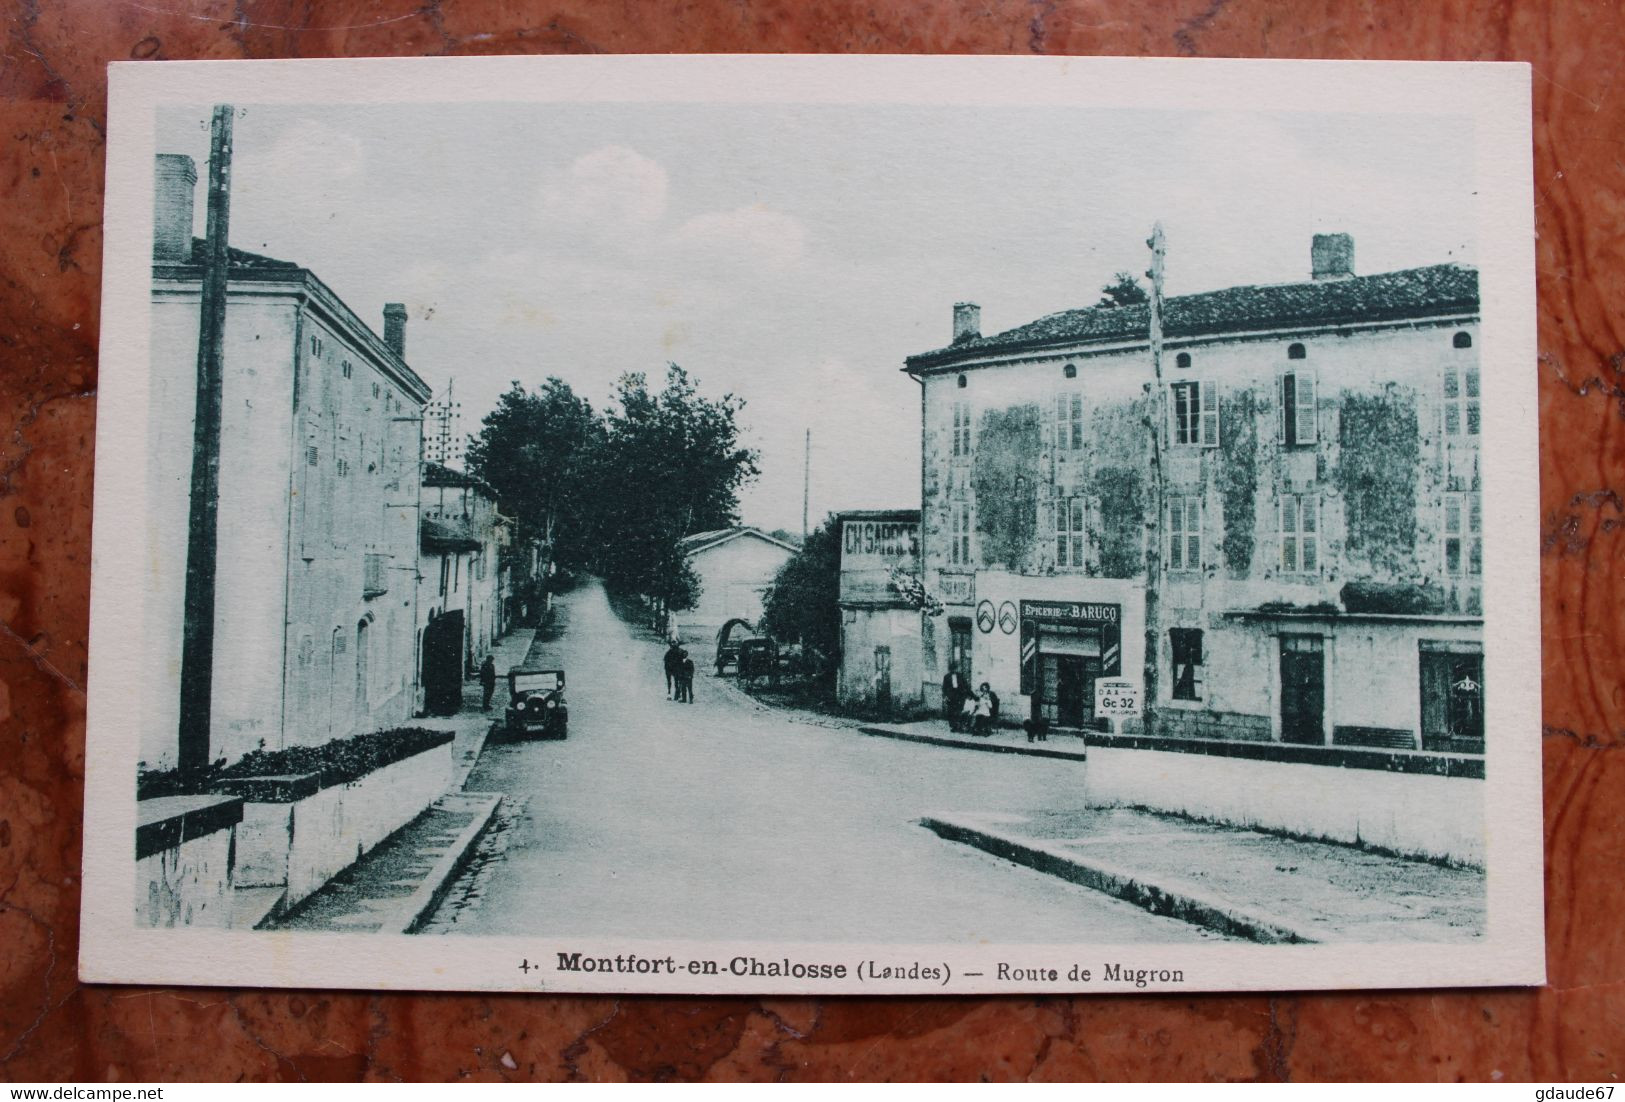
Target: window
(346,368)
(962,383)
(1070,371)
(1452,696)
(959,528)
(1196,414)
(1186,644)
(1297,399)
(317,346)
(1462,340)
(375,390)
(961,430)
(1069,422)
(456,572)
(1463,541)
(1184,532)
(1070,516)
(1461,402)
(445,573)
(1300,526)
(313,455)
(374,581)
(1296,352)
(343,467)
(1182,360)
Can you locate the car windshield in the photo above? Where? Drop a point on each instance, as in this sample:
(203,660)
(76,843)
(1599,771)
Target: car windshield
(539,681)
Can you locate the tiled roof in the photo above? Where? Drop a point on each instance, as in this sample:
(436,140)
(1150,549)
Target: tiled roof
(702,541)
(448,535)
(240,258)
(1413,292)
(437,474)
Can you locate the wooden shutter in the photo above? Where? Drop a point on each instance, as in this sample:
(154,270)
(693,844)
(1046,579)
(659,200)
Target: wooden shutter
(1210,415)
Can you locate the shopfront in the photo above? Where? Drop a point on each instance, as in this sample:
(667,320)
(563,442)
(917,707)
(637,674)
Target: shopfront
(1066,647)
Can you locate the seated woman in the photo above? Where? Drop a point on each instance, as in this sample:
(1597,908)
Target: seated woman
(982,720)
(967,712)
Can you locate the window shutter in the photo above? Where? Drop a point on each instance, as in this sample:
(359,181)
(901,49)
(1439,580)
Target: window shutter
(1280,408)
(1305,384)
(1210,415)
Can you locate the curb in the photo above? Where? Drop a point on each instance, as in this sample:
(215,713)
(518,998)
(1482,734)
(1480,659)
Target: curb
(417,909)
(1170,901)
(984,747)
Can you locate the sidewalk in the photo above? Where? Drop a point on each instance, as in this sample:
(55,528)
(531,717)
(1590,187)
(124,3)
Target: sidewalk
(1001,740)
(1243,883)
(397,886)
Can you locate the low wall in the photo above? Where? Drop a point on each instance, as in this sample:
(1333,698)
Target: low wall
(184,856)
(299,835)
(1420,806)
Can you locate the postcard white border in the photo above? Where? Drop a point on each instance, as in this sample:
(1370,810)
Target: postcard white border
(1496,97)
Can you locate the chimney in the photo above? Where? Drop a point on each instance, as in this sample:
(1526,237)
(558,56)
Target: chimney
(175,177)
(395,327)
(1331,256)
(967,321)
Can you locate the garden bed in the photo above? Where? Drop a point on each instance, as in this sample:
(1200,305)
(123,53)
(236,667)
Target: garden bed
(337,762)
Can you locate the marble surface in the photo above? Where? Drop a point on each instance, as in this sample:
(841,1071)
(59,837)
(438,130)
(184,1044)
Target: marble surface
(53,104)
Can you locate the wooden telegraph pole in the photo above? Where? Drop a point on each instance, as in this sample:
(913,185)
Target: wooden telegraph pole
(1159,425)
(197,642)
(806,482)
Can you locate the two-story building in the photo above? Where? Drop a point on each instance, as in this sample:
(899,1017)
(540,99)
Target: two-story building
(465,539)
(1275,530)
(880,625)
(315,609)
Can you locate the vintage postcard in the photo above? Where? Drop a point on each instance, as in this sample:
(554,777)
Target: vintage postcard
(836,525)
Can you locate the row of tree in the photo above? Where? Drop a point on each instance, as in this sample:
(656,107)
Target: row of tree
(615,491)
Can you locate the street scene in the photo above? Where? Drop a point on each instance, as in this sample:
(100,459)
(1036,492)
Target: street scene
(581,573)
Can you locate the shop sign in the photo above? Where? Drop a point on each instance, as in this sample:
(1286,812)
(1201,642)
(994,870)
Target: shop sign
(874,542)
(984,617)
(1117,698)
(956,589)
(1007,618)
(1071,612)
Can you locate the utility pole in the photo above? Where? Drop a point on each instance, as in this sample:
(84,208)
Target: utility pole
(197,641)
(1159,425)
(806,482)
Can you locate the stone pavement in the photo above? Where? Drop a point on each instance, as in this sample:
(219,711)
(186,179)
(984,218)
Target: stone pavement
(1244,883)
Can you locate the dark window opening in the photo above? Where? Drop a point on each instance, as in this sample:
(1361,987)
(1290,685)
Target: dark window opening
(1182,360)
(1187,654)
(1462,340)
(1295,352)
(1070,371)
(962,382)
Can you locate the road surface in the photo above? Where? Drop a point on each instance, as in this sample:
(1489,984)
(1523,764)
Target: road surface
(724,819)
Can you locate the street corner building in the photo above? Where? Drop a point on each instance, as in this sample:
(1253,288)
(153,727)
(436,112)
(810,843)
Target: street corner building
(1258,507)
(314,565)
(881,657)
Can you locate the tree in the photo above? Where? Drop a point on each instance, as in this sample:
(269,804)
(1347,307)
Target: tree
(1123,290)
(802,603)
(537,450)
(671,464)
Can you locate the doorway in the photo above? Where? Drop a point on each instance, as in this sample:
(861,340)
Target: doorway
(883,677)
(443,664)
(1303,689)
(959,642)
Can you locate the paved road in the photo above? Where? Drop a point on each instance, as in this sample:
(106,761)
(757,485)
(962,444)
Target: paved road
(722,819)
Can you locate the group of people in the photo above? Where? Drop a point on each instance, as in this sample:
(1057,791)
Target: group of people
(976,711)
(679,674)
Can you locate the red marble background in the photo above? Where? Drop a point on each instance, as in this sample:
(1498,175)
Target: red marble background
(53,109)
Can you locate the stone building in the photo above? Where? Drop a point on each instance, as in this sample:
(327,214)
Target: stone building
(1279,541)
(735,567)
(461,599)
(315,608)
(880,626)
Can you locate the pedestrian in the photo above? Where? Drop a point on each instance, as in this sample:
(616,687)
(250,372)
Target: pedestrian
(1036,726)
(967,712)
(987,710)
(488,681)
(687,679)
(953,697)
(674,667)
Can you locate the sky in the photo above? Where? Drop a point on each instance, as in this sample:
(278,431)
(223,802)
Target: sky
(795,255)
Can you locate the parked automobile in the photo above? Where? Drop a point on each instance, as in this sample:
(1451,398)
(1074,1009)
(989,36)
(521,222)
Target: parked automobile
(536,705)
(759,657)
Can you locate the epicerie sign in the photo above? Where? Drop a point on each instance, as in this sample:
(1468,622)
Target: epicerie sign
(1117,698)
(879,539)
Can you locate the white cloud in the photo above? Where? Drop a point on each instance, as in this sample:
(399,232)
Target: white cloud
(752,235)
(609,190)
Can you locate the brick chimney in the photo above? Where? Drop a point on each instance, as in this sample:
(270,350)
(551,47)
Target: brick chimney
(175,179)
(1331,256)
(395,327)
(967,321)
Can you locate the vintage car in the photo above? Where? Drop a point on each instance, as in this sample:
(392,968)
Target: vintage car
(729,639)
(759,657)
(536,704)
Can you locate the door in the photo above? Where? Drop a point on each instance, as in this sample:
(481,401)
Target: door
(883,676)
(443,664)
(959,648)
(1072,710)
(1303,689)
(1452,699)
(361,639)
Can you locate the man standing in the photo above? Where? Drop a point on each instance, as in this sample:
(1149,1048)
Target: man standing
(954,691)
(674,668)
(488,680)
(686,679)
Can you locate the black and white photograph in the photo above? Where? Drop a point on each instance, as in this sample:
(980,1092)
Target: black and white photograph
(790,524)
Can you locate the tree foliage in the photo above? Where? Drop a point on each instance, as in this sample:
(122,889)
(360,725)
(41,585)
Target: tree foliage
(802,603)
(537,449)
(1123,290)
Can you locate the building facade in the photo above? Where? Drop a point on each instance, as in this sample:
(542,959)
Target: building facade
(881,658)
(735,567)
(465,544)
(315,605)
(1277,537)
